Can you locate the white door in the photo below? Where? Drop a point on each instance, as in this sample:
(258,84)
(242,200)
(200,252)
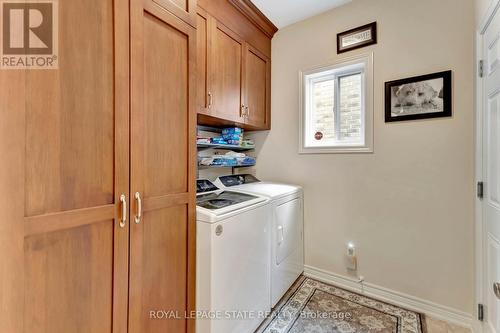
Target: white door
(491,176)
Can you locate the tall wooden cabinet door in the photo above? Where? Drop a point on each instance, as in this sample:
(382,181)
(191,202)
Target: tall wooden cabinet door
(66,255)
(226,79)
(163,174)
(257,88)
(183,9)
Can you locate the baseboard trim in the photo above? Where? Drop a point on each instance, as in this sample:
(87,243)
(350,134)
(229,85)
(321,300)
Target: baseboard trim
(406,301)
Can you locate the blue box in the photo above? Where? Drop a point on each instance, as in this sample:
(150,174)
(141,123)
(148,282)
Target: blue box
(232,131)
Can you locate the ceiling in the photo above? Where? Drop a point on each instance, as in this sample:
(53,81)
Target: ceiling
(286,12)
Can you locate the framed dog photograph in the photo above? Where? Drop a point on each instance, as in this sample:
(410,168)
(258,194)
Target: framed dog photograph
(356,38)
(420,97)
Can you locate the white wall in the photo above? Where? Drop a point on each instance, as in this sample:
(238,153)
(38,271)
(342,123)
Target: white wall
(480,9)
(409,206)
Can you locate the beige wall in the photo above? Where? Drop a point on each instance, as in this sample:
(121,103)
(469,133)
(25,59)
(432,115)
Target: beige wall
(409,206)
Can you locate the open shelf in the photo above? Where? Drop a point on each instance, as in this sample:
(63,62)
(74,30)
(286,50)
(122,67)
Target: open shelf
(228,147)
(225,166)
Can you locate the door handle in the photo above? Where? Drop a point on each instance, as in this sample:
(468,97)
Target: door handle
(138,216)
(123,220)
(209,99)
(282,235)
(496,289)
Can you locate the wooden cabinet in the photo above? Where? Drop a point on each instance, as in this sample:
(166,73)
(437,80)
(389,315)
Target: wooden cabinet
(234,77)
(257,88)
(163,162)
(220,70)
(75,256)
(183,9)
(226,74)
(64,258)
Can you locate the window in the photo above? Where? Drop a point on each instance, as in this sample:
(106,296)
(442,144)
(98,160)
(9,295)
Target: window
(337,107)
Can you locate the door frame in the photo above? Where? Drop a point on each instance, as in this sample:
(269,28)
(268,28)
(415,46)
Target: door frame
(479,117)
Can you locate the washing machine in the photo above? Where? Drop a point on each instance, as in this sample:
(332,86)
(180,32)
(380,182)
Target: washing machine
(233,268)
(287,227)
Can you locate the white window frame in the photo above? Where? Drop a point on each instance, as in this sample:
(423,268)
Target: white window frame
(343,67)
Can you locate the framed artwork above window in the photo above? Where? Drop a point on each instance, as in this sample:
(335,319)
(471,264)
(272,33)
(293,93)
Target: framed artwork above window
(357,38)
(336,107)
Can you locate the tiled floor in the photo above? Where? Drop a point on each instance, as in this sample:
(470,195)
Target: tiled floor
(438,326)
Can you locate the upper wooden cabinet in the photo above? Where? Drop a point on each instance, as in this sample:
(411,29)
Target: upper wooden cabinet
(234,68)
(257,89)
(226,74)
(183,9)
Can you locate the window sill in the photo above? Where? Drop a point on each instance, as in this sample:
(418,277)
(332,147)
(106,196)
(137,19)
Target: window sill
(336,150)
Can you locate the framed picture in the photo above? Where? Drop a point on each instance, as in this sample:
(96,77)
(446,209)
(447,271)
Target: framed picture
(357,37)
(420,97)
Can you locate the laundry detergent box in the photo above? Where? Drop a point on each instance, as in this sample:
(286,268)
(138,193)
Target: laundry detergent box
(233,135)
(219,141)
(232,131)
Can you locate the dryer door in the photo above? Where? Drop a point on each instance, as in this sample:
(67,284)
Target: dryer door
(288,228)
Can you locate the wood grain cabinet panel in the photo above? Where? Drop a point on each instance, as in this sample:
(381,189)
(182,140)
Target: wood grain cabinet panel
(257,89)
(183,9)
(226,74)
(74,168)
(69,280)
(163,162)
(118,117)
(162,286)
(70,116)
(165,113)
(234,77)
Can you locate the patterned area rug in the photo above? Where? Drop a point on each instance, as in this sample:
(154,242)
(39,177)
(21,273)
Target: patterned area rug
(316,307)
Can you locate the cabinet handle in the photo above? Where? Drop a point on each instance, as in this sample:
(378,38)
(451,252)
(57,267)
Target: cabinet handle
(123,220)
(242,111)
(209,99)
(247,111)
(139,208)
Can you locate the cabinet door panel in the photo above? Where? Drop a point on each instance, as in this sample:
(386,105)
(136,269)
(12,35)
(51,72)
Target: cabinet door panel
(165,109)
(183,9)
(257,88)
(69,280)
(202,62)
(164,268)
(71,255)
(163,169)
(226,74)
(69,130)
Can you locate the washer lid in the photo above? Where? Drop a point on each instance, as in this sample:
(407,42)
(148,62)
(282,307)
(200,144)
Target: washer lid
(219,200)
(216,209)
(270,190)
(235,180)
(250,184)
(204,185)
